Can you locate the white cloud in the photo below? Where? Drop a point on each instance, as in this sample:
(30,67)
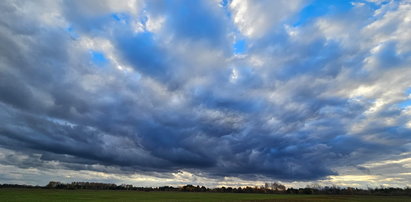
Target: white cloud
(256,18)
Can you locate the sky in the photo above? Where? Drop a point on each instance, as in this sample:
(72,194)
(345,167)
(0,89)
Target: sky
(214,93)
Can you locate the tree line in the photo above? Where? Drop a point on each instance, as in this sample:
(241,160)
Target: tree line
(268,188)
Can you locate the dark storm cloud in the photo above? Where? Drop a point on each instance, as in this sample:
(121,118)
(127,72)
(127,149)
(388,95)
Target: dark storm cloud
(288,116)
(144,54)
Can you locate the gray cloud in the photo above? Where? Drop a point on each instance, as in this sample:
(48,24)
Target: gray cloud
(301,102)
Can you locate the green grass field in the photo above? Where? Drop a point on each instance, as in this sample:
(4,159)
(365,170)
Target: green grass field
(91,195)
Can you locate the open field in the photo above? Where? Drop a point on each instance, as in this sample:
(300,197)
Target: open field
(94,195)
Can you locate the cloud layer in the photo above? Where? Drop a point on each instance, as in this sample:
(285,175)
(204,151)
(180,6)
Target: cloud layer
(157,87)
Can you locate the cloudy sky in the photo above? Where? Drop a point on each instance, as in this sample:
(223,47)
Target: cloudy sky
(209,92)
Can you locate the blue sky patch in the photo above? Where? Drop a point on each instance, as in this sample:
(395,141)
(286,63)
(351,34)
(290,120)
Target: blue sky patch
(98,58)
(72,33)
(319,8)
(240,46)
(121,17)
(404,104)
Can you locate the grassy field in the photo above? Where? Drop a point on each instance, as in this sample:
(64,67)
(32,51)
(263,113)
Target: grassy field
(91,195)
